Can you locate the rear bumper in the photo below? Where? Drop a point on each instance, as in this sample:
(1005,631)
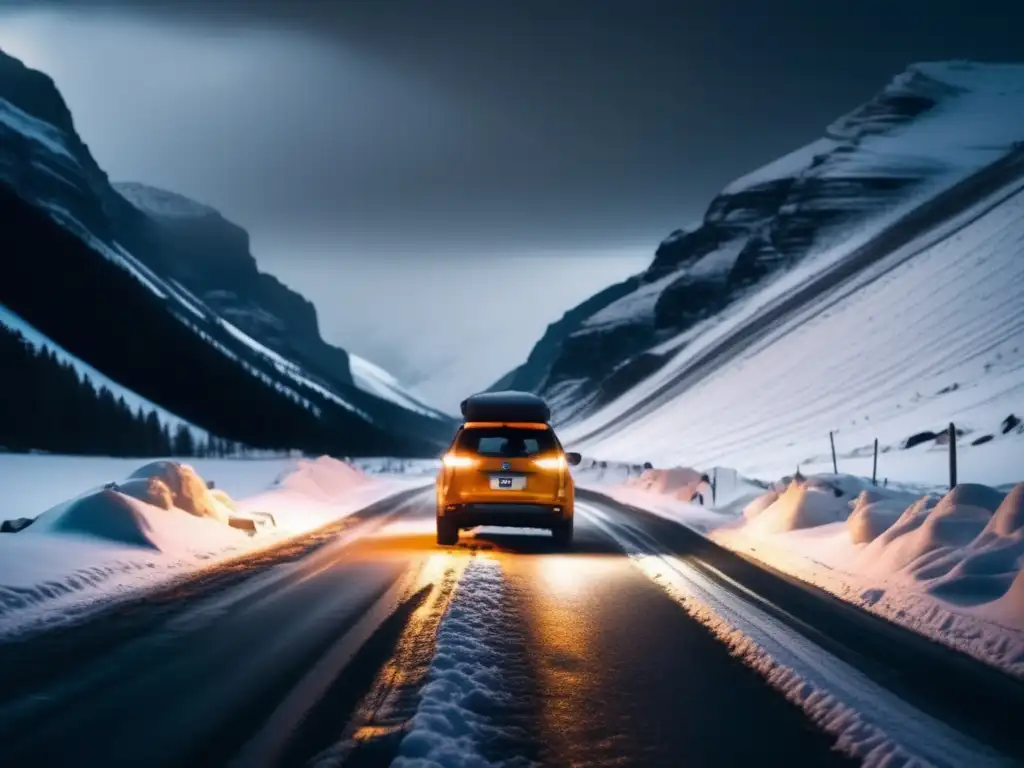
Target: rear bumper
(508,514)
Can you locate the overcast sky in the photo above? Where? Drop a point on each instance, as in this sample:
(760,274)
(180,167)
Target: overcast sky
(443,179)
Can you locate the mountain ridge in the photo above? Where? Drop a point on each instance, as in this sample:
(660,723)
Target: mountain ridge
(931,126)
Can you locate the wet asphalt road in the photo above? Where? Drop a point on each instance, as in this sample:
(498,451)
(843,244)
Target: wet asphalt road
(324,649)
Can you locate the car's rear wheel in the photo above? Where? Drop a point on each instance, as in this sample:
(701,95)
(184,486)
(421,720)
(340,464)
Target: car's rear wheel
(447,532)
(562,533)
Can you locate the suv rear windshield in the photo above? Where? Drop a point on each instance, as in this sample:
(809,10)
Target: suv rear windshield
(506,442)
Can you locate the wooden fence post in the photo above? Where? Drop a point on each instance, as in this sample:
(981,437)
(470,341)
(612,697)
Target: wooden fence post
(835,467)
(714,485)
(874,466)
(952,456)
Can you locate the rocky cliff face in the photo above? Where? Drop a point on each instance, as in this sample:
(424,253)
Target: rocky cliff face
(209,255)
(44,160)
(902,146)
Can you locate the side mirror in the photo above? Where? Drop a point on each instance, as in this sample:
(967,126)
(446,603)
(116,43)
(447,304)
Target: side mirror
(573,458)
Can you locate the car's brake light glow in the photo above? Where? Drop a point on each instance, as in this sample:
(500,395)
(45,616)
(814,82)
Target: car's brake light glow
(551,462)
(454,461)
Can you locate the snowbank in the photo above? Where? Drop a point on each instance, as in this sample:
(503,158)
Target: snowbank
(680,482)
(950,566)
(162,521)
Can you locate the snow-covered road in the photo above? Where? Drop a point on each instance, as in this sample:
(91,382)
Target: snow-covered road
(644,645)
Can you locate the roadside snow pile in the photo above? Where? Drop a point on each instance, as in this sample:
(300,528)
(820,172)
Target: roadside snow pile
(873,514)
(950,566)
(673,492)
(810,502)
(162,521)
(601,473)
(313,492)
(680,482)
(163,506)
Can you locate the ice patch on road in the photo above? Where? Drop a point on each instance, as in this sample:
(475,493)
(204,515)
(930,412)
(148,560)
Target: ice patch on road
(869,723)
(472,693)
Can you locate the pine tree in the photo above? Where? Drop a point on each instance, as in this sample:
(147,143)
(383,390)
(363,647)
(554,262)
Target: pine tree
(184,444)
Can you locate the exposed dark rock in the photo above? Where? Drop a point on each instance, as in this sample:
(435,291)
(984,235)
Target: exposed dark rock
(16,525)
(1010,423)
(920,437)
(982,440)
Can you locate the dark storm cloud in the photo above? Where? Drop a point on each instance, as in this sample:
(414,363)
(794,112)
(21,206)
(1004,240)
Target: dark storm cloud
(564,121)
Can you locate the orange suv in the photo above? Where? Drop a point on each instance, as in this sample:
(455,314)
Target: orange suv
(506,468)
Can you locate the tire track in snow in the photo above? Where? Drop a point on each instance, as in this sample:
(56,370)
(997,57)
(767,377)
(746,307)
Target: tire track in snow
(869,722)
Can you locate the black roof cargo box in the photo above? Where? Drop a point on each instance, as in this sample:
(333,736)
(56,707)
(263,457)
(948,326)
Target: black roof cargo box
(505,406)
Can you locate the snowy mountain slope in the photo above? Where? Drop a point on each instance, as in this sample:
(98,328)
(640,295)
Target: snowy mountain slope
(205,278)
(931,128)
(932,335)
(374,379)
(207,256)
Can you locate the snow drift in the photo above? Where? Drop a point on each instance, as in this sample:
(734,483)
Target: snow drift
(949,565)
(161,521)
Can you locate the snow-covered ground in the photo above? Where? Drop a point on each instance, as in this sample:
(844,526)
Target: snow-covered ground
(947,564)
(105,528)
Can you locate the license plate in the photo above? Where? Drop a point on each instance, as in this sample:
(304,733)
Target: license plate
(506,483)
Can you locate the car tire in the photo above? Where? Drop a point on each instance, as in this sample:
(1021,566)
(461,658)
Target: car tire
(562,534)
(447,532)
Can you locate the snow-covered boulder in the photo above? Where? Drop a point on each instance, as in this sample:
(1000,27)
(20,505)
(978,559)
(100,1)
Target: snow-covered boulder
(160,482)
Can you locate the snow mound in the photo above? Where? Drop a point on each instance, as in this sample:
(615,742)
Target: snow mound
(760,504)
(680,482)
(873,514)
(168,484)
(1008,519)
(922,538)
(163,506)
(802,505)
(104,514)
(324,478)
(117,518)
